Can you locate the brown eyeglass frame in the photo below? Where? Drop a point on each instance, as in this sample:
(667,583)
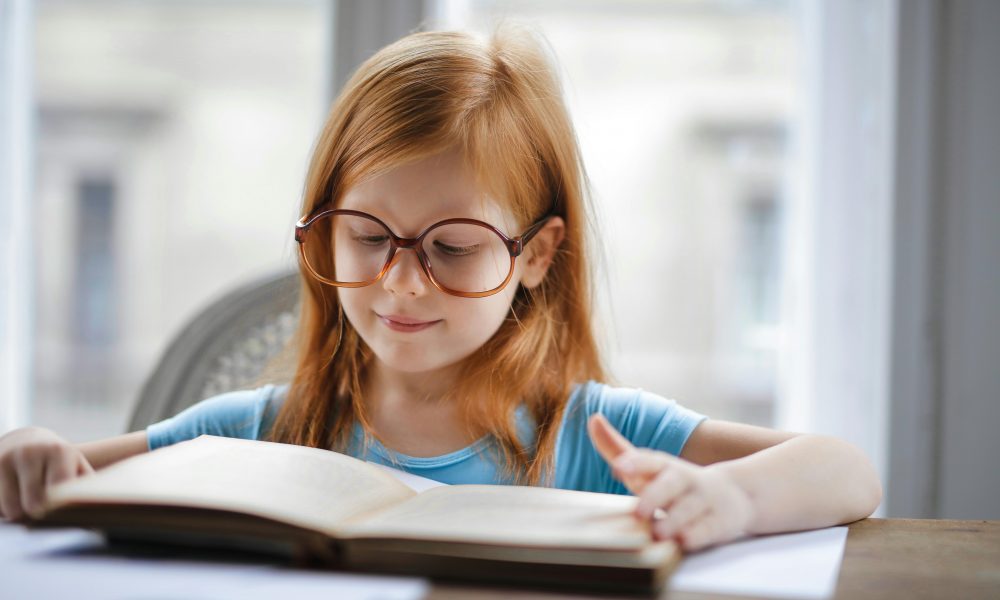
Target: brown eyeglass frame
(515,246)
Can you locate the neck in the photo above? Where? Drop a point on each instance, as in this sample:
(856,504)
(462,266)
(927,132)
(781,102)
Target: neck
(409,410)
(410,390)
(409,413)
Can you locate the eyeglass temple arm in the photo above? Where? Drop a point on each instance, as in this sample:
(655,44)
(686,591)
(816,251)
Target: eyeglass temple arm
(535,228)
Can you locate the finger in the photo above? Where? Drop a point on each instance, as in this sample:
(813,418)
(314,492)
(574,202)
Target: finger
(32,479)
(61,467)
(688,509)
(606,439)
(643,462)
(700,533)
(10,495)
(666,487)
(83,467)
(636,479)
(636,482)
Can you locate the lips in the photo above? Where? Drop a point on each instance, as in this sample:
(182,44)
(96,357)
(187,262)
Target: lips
(404,323)
(405,320)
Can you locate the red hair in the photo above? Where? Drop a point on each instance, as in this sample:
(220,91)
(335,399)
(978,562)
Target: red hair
(498,101)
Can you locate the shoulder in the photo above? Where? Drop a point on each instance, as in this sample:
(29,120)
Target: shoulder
(242,414)
(592,397)
(256,403)
(646,419)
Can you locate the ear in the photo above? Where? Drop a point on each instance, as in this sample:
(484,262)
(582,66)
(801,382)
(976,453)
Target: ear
(540,251)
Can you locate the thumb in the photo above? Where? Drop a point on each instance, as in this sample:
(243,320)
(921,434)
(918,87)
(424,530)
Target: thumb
(83,467)
(606,439)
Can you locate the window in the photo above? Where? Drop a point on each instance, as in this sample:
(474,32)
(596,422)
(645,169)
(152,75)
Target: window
(94,291)
(172,146)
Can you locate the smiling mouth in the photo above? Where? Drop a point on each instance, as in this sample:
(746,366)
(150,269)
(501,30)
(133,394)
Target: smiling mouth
(407,324)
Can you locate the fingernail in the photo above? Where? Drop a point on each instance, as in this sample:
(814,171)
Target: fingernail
(625,466)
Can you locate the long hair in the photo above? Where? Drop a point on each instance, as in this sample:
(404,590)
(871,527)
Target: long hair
(499,101)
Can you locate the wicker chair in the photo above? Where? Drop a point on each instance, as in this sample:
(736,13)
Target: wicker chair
(224,348)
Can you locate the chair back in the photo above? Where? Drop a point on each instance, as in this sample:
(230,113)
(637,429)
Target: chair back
(224,348)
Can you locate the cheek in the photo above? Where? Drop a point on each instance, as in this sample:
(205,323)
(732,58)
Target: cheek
(353,302)
(478,319)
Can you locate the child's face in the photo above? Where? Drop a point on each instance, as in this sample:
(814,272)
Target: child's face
(408,199)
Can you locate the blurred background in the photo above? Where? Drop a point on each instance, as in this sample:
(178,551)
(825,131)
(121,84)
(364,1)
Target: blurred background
(814,185)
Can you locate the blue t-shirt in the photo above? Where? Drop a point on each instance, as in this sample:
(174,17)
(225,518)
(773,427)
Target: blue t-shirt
(645,419)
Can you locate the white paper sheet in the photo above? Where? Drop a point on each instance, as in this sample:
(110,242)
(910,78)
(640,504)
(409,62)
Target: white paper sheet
(56,564)
(62,563)
(793,565)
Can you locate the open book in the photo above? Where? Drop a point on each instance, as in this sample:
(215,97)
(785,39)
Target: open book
(340,511)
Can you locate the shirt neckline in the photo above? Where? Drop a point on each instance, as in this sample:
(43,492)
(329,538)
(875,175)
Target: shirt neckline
(423,462)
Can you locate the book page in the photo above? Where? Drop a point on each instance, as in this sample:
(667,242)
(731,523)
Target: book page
(309,487)
(415,482)
(514,515)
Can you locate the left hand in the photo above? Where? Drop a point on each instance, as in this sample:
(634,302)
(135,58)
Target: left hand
(700,506)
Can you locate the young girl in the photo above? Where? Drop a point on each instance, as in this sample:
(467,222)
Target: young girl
(446,321)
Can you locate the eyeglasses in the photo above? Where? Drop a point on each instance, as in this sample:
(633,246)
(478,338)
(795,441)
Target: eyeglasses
(461,257)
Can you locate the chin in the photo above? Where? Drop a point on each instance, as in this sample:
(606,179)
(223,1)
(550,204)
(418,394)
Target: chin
(413,360)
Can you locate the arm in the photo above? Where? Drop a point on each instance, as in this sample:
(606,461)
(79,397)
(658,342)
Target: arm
(733,480)
(794,481)
(104,452)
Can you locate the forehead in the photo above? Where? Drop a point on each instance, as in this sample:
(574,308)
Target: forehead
(413,196)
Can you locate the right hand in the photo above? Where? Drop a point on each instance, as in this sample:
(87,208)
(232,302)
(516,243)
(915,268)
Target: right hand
(31,460)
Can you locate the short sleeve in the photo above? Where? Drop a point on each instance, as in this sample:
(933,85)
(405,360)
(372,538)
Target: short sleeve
(645,419)
(245,414)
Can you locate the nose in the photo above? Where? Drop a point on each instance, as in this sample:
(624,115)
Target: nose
(405,275)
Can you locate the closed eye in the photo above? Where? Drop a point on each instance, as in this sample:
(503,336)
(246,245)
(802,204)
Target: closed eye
(456,250)
(371,240)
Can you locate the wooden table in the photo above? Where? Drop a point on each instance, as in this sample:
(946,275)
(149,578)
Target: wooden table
(883,559)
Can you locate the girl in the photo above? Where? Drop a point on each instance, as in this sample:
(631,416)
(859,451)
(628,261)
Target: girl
(446,321)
